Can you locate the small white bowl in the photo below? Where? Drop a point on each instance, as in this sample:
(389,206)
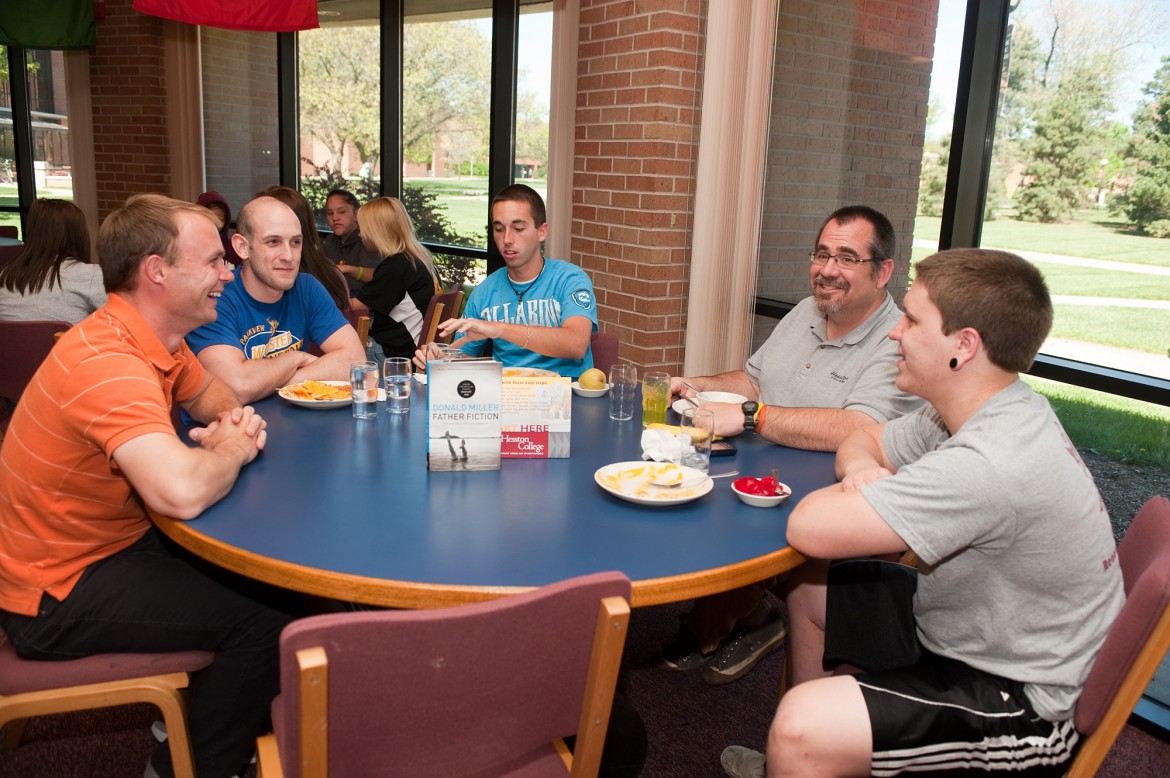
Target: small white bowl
(578,389)
(720,397)
(760,501)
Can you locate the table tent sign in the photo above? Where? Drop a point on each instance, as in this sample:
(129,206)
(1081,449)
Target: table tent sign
(537,417)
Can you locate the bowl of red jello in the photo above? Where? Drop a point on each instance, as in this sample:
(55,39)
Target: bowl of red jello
(765,492)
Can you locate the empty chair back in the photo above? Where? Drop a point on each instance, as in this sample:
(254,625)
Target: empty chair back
(9,253)
(23,346)
(1137,641)
(604,346)
(470,690)
(443,306)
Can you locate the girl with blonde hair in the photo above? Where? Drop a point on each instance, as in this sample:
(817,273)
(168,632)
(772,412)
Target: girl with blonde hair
(402,284)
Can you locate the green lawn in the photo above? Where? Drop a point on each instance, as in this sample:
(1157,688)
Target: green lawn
(1095,236)
(1118,427)
(1143,329)
(466,199)
(1091,282)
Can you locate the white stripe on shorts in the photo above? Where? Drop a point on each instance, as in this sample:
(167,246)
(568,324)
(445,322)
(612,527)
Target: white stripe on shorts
(1002,753)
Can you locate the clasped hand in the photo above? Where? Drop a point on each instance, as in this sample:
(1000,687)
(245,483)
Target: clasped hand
(241,429)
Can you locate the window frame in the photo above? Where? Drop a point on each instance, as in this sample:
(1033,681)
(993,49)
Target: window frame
(21,133)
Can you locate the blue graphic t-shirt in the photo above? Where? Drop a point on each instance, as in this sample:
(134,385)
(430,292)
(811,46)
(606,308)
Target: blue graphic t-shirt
(560,292)
(304,315)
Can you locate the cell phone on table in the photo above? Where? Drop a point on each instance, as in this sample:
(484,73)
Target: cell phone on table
(722,448)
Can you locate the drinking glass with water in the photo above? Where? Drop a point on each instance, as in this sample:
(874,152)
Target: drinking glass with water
(623,391)
(397,374)
(363,381)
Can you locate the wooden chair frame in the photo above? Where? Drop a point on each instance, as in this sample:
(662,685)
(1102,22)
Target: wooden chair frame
(163,691)
(1097,745)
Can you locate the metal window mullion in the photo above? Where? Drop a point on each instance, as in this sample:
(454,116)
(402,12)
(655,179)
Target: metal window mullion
(980,67)
(393,19)
(26,184)
(502,122)
(287,104)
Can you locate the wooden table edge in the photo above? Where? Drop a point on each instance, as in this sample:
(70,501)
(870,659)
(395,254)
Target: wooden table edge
(393,593)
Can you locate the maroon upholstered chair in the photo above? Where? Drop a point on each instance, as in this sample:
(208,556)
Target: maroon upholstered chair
(9,253)
(23,346)
(31,688)
(1137,641)
(487,689)
(605,351)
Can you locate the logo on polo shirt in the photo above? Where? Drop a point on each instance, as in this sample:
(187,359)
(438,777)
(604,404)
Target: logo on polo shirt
(583,298)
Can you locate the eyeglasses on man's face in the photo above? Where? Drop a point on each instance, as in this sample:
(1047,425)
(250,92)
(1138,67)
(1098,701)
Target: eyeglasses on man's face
(843,260)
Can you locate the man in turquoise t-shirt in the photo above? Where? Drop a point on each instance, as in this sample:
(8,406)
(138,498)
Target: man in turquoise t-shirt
(536,312)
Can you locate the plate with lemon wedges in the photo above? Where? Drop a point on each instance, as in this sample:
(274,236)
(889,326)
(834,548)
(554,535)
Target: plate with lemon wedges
(591,384)
(653,483)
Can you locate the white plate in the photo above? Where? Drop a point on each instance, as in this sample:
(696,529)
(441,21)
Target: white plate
(680,406)
(319,404)
(631,481)
(578,389)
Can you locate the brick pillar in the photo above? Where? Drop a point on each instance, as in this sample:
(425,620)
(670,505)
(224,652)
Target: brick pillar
(634,168)
(129,96)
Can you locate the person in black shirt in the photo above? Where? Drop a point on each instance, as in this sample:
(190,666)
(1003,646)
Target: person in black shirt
(402,284)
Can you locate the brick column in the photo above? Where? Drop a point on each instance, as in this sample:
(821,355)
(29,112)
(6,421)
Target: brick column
(634,168)
(129,96)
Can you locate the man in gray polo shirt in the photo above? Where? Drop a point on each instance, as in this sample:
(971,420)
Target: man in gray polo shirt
(826,370)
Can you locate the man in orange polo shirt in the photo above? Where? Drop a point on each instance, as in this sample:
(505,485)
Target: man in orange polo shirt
(91,446)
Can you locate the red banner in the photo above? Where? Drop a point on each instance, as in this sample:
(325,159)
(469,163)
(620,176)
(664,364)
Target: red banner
(260,15)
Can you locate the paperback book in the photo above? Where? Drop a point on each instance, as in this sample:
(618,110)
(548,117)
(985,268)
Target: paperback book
(463,414)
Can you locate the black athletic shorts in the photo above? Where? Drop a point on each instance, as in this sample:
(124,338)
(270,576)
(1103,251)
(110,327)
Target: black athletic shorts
(932,714)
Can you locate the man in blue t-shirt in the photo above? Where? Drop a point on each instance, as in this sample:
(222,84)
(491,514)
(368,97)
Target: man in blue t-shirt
(536,312)
(272,313)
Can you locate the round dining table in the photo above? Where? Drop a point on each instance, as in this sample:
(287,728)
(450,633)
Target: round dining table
(345,508)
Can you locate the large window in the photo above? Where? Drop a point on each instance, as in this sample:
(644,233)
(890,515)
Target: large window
(849,124)
(240,113)
(428,128)
(446,132)
(339,88)
(1078,178)
(34,130)
(1043,132)
(9,198)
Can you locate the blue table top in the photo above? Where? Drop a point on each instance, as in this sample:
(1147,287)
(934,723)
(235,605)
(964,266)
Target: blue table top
(346,508)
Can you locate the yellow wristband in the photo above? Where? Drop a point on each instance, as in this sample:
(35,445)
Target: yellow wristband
(361,272)
(759,418)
